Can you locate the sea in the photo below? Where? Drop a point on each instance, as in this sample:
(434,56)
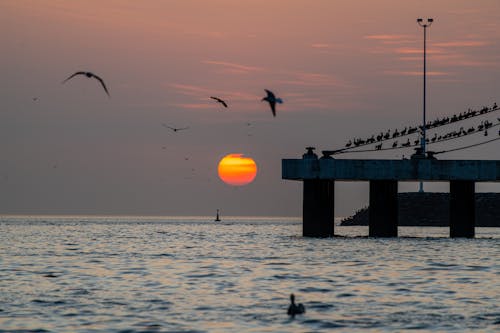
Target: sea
(191,274)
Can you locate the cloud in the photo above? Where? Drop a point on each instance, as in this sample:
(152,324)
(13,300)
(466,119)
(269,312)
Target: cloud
(232,67)
(455,59)
(195,106)
(191,90)
(321,46)
(465,43)
(386,37)
(207,34)
(199,97)
(418,73)
(410,50)
(392,39)
(312,80)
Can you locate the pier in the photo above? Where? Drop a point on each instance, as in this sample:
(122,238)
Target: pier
(320,174)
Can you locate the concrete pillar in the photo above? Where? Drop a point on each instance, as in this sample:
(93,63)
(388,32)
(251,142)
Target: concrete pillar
(462,208)
(383,212)
(318,208)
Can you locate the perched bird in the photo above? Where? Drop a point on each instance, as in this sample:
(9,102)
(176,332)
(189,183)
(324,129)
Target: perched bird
(175,129)
(89,75)
(272,100)
(294,309)
(219,100)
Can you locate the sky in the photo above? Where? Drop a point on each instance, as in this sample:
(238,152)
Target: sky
(344,69)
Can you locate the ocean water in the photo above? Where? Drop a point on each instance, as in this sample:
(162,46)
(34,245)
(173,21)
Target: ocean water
(161,274)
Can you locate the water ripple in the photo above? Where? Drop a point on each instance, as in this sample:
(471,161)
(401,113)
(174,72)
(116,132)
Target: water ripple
(135,275)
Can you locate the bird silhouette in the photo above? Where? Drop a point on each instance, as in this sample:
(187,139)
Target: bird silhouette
(219,100)
(272,100)
(89,75)
(175,129)
(295,309)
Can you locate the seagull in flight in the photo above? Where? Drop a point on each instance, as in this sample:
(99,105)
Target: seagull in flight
(219,100)
(175,129)
(89,75)
(272,100)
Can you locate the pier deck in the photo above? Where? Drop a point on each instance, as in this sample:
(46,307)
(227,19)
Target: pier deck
(319,176)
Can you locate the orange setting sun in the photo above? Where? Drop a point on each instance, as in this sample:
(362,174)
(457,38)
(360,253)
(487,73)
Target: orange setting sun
(237,170)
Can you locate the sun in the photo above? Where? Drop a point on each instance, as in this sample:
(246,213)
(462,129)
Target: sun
(237,170)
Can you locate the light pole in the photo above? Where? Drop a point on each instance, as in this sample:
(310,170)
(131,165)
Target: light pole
(424,139)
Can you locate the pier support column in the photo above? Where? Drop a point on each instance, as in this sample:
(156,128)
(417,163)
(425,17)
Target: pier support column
(462,208)
(383,212)
(318,208)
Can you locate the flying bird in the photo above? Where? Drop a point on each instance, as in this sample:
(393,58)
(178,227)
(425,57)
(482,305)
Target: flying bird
(219,100)
(272,100)
(89,75)
(175,129)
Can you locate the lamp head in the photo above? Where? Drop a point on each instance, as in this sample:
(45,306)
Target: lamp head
(421,23)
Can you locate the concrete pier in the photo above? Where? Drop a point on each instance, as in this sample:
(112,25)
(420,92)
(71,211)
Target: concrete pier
(383,215)
(318,208)
(319,176)
(462,208)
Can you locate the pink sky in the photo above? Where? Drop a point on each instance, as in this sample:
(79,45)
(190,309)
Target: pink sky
(343,69)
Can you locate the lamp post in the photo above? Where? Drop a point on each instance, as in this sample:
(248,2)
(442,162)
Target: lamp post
(424,139)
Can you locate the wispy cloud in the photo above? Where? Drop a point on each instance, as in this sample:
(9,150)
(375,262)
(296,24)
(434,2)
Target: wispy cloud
(387,37)
(232,67)
(410,50)
(191,90)
(392,39)
(312,80)
(198,97)
(194,106)
(207,34)
(321,46)
(464,43)
(417,73)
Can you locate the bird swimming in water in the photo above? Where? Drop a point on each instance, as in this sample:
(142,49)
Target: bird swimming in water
(272,100)
(219,100)
(295,309)
(89,75)
(175,129)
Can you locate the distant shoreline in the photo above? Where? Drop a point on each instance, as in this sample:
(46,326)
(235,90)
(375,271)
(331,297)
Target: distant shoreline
(431,209)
